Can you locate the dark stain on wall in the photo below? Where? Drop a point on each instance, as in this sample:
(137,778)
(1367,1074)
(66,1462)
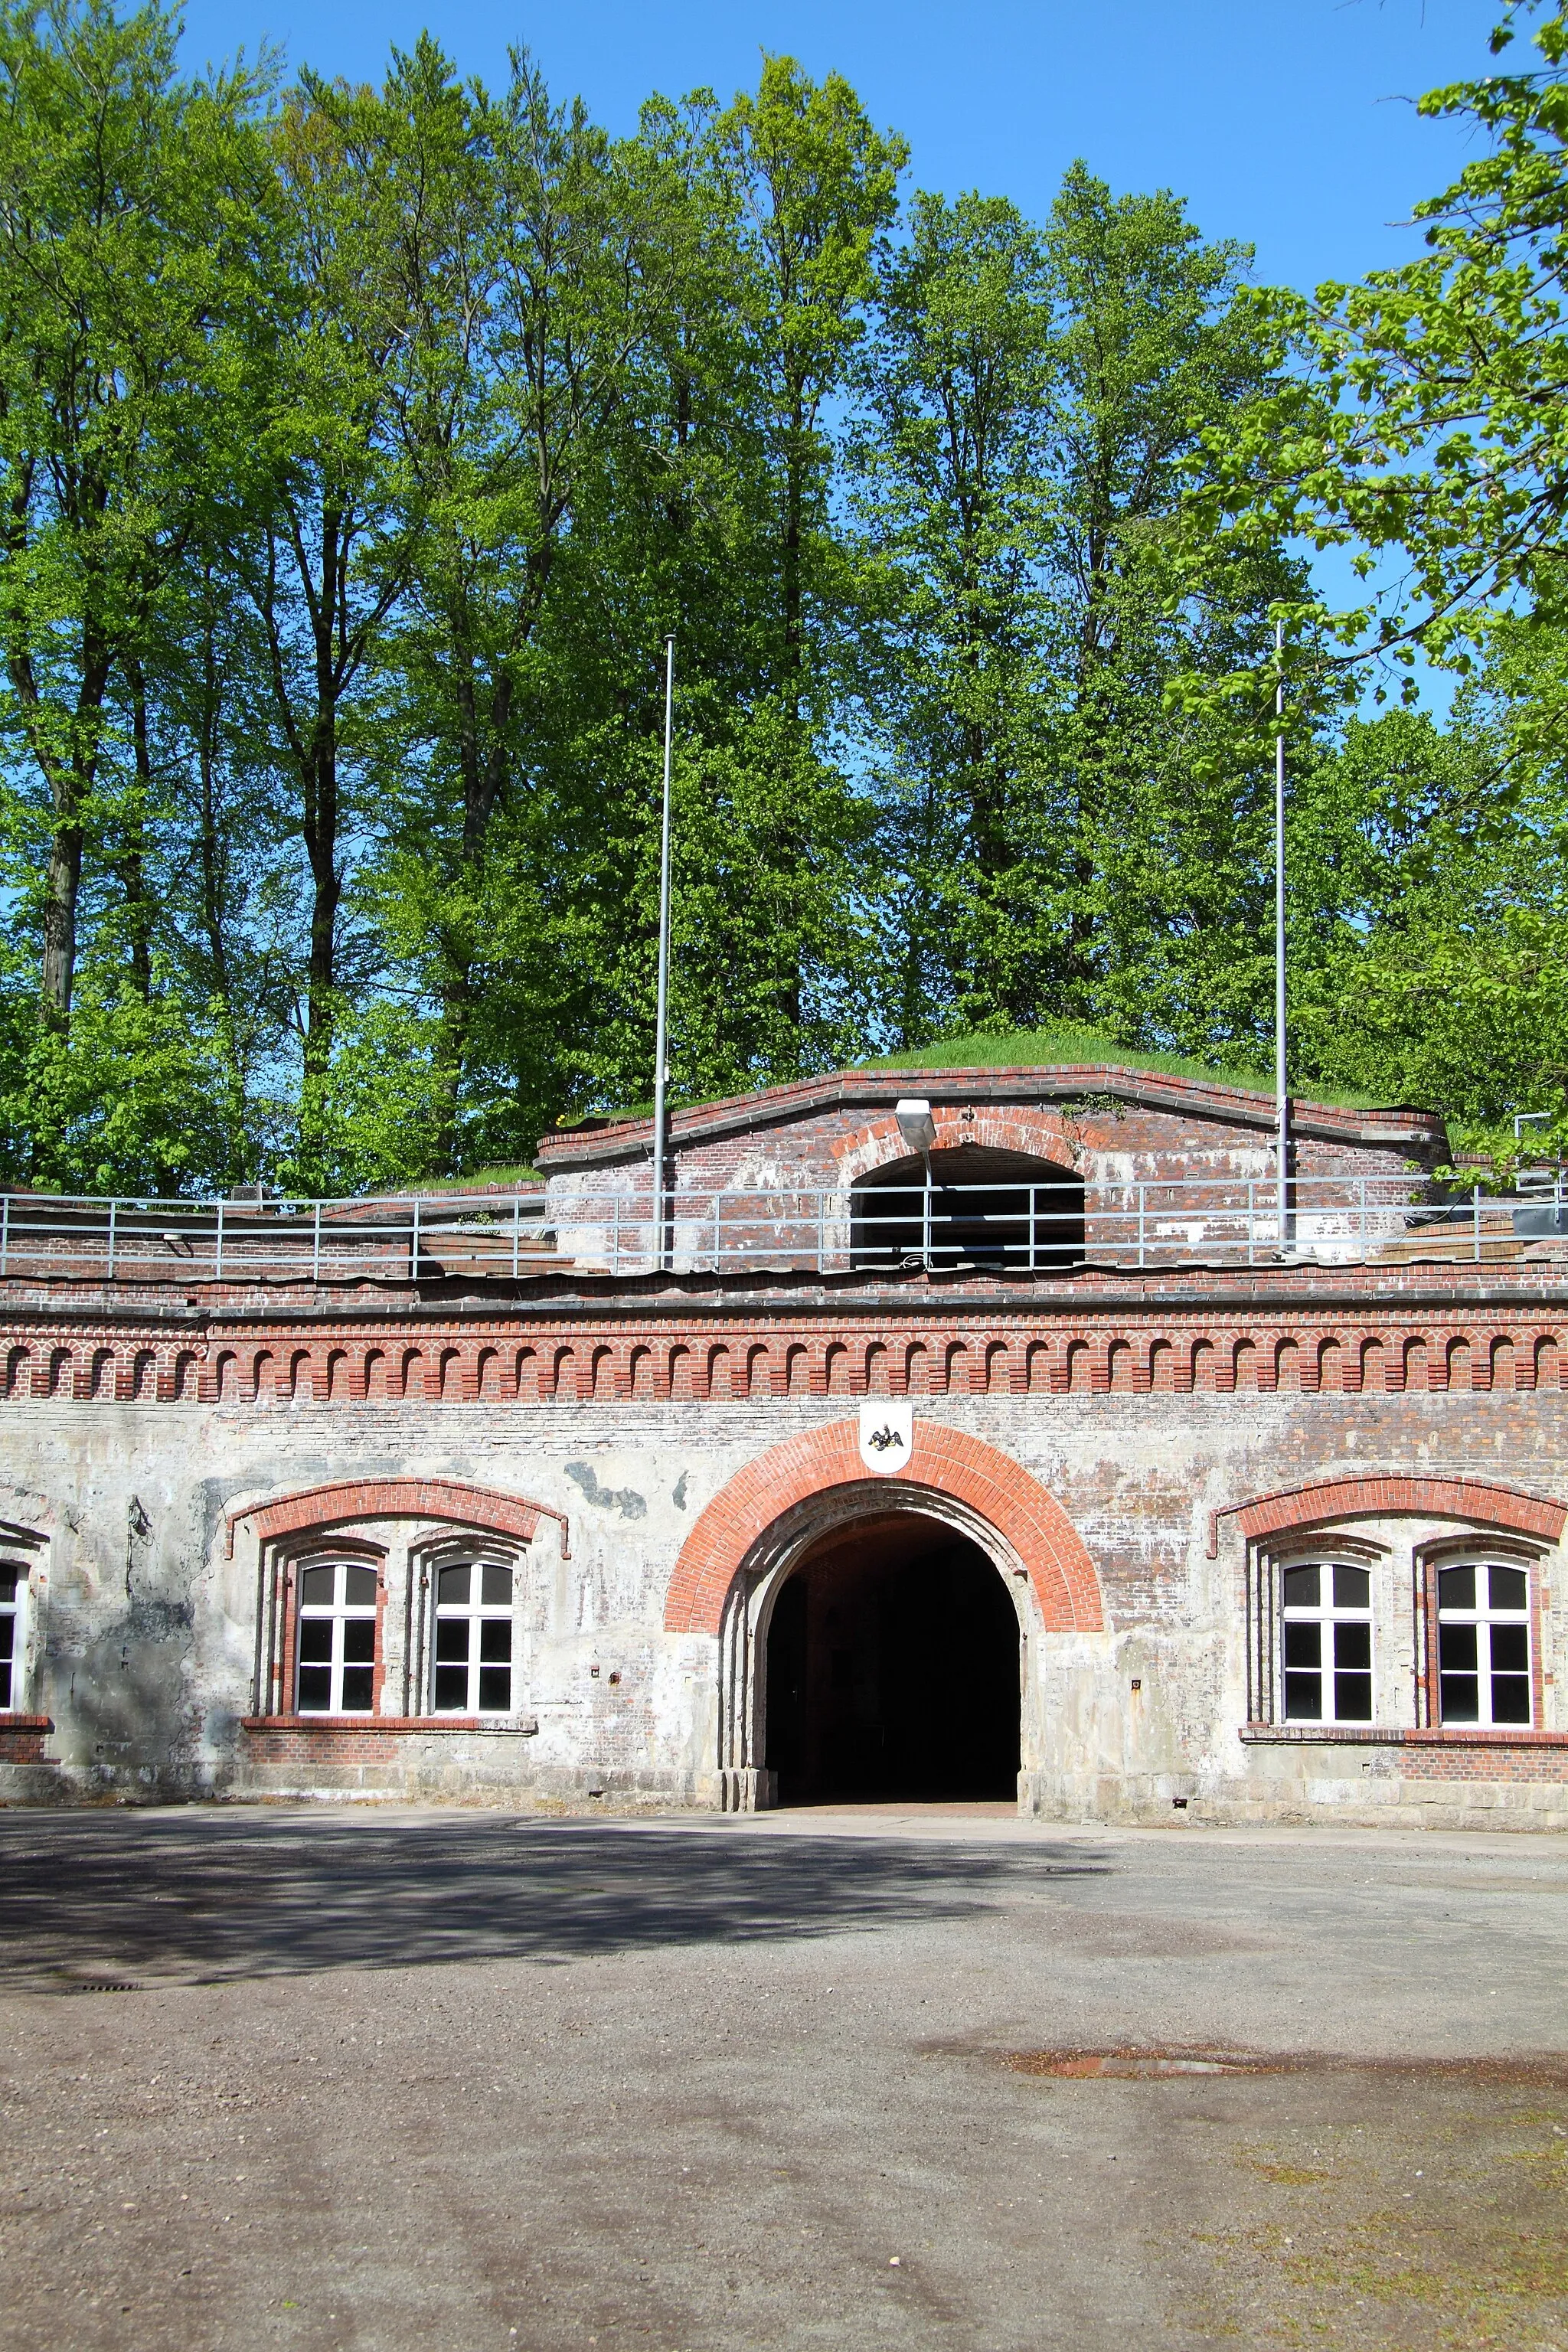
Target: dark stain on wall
(624,1499)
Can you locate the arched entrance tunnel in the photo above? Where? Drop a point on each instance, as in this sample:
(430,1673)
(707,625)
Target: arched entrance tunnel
(892,1668)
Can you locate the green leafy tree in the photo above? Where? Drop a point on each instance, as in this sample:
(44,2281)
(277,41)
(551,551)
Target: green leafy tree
(1031,399)
(1422,416)
(124,231)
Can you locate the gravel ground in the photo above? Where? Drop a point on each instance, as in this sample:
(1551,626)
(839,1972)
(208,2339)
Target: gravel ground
(476,2083)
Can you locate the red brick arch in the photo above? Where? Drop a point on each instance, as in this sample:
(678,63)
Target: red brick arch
(395,1498)
(943,1461)
(1039,1130)
(1472,1499)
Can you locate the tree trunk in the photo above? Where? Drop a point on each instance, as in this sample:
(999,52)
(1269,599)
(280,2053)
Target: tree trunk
(130,865)
(62,886)
(214,908)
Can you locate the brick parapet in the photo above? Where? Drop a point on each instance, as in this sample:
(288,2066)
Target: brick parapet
(1131,1155)
(581,1296)
(853,1097)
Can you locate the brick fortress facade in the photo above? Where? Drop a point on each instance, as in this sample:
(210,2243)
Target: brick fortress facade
(1158,1459)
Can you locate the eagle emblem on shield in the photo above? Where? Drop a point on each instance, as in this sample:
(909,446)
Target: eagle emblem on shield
(887,1434)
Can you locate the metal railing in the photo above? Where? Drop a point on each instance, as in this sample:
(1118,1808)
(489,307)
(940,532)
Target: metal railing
(999,1228)
(1039,1228)
(275,1240)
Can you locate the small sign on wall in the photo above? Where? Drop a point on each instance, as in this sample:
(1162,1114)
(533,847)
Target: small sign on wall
(887,1434)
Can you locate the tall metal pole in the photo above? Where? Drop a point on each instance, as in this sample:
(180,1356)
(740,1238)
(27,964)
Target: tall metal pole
(1282,1100)
(661,1023)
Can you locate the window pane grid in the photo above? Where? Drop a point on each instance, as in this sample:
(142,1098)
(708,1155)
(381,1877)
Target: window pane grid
(472,1669)
(1326,1643)
(336,1671)
(1483,1645)
(13,1591)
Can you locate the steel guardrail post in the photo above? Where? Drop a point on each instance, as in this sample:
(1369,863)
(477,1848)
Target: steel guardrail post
(112,1206)
(218,1269)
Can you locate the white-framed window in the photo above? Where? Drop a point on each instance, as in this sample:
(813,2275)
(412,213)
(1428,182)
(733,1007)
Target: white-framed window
(1483,1642)
(335,1671)
(1325,1640)
(13,1628)
(472,1663)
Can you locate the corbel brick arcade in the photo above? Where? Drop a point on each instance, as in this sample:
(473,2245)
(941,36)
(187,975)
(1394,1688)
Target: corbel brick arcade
(1037,1458)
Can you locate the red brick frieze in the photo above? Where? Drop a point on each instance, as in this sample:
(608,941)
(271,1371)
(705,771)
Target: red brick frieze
(916,1344)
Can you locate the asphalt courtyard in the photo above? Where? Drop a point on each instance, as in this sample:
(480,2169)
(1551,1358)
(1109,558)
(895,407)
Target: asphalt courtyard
(476,2083)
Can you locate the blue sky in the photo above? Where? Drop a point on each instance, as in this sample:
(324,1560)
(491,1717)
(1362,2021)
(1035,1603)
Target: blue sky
(1285,122)
(1289,125)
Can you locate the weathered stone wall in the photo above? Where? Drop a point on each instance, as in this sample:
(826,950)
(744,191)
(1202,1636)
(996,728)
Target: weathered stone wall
(1151,1419)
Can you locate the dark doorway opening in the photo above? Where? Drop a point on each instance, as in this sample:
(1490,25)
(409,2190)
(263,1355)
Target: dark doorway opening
(892,1668)
(1001,1209)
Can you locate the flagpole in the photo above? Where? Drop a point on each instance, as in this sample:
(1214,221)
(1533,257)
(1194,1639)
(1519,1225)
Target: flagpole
(661,1021)
(1282,1100)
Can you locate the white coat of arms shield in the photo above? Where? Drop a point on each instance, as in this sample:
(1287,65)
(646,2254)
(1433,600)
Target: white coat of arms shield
(887,1434)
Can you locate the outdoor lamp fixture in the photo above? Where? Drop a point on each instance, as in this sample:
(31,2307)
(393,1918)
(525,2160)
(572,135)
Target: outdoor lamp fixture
(916,1124)
(918,1129)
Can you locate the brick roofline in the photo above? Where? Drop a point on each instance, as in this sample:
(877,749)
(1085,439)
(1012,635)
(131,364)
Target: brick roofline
(781,1294)
(632,1139)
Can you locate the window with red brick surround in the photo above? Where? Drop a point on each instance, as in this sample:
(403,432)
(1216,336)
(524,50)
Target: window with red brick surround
(337,1610)
(1508,1649)
(13,1632)
(286,1633)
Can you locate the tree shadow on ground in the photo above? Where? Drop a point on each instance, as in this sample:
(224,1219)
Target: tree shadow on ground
(204,1898)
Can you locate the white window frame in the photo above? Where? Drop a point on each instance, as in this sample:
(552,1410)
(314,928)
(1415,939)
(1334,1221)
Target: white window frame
(1484,1618)
(339,1614)
(18,1614)
(1327,1614)
(473,1612)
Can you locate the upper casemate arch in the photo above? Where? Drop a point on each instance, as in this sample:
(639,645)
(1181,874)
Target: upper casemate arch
(1030,1521)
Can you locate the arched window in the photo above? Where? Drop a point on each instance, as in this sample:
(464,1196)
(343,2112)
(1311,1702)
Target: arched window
(1326,1639)
(1483,1642)
(336,1673)
(13,1603)
(473,1638)
(1002,1210)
